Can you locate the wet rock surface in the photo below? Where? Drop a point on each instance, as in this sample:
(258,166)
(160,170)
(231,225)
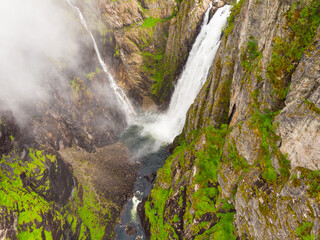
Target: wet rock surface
(130,231)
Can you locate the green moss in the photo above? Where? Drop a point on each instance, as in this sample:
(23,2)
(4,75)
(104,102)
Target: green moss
(204,200)
(263,122)
(89,76)
(312,107)
(151,22)
(48,235)
(92,213)
(155,213)
(238,162)
(15,198)
(302,22)
(250,55)
(116,52)
(224,229)
(235,11)
(29,202)
(175,218)
(312,180)
(303,231)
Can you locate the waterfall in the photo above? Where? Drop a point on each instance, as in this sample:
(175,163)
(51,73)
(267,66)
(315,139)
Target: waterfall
(124,102)
(152,130)
(169,124)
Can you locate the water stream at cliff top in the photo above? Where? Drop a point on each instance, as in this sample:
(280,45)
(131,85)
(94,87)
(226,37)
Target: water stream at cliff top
(152,131)
(124,102)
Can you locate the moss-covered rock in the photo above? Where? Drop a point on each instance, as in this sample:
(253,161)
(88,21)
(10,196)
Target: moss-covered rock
(259,173)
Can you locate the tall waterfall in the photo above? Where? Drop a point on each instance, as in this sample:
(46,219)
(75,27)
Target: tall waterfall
(168,125)
(162,128)
(124,102)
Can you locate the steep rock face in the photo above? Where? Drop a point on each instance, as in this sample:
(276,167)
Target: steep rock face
(43,196)
(249,148)
(299,121)
(145,42)
(72,195)
(182,33)
(81,110)
(134,39)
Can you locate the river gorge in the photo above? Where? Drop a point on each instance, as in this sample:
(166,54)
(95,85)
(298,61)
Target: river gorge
(153,119)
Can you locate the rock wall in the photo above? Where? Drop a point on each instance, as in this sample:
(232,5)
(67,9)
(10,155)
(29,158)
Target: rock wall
(134,35)
(247,164)
(71,194)
(145,42)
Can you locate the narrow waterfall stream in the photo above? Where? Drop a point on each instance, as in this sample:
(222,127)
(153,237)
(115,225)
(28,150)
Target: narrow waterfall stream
(148,134)
(147,139)
(124,102)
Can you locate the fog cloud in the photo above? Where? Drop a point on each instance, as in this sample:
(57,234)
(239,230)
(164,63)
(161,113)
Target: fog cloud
(36,36)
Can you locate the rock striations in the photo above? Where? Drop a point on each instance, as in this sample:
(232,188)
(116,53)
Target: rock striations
(247,164)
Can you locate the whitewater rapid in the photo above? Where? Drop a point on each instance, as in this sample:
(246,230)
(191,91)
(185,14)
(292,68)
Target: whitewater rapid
(124,101)
(165,127)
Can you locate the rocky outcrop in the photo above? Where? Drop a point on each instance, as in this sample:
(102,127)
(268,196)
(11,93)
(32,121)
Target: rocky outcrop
(133,37)
(149,41)
(299,120)
(247,164)
(108,172)
(71,195)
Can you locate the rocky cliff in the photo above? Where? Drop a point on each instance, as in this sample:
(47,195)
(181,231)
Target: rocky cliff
(71,194)
(72,179)
(247,164)
(58,156)
(147,43)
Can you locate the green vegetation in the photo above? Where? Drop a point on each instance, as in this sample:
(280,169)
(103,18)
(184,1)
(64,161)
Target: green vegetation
(80,89)
(302,24)
(238,162)
(203,201)
(303,231)
(234,14)
(151,22)
(90,76)
(94,214)
(312,107)
(250,56)
(25,190)
(311,179)
(30,206)
(263,122)
(116,52)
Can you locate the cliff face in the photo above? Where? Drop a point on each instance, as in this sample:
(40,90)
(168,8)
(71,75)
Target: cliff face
(71,194)
(134,35)
(57,161)
(149,43)
(247,165)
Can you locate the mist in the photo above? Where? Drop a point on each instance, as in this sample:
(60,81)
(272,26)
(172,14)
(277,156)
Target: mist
(37,40)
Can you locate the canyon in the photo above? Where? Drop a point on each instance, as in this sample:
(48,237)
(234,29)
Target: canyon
(115,151)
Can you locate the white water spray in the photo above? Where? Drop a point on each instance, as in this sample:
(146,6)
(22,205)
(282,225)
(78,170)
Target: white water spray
(124,102)
(168,125)
(135,203)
